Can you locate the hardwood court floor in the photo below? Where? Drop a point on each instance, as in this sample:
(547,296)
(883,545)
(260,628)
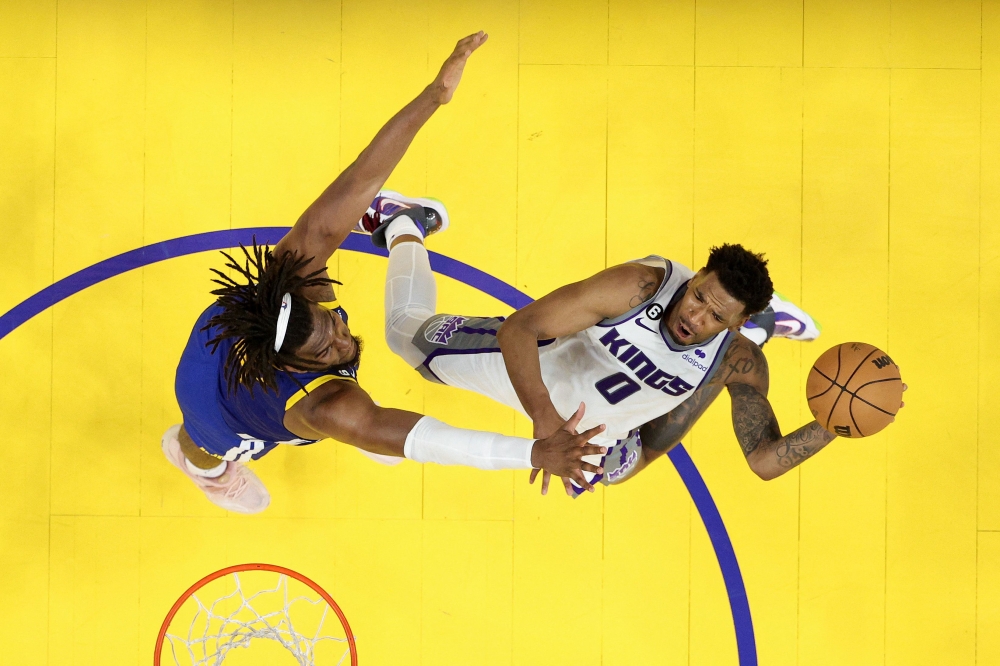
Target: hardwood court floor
(854,141)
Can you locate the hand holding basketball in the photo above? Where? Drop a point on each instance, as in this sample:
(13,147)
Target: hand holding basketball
(854,390)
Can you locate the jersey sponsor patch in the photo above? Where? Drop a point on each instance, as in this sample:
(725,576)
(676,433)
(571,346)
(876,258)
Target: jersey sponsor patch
(694,362)
(441,331)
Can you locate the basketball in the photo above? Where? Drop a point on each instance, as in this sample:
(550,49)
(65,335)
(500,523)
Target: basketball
(854,389)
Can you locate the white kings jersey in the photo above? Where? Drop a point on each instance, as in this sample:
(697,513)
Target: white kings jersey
(626,370)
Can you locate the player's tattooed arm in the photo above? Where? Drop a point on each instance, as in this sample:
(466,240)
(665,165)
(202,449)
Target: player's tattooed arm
(665,432)
(645,288)
(768,453)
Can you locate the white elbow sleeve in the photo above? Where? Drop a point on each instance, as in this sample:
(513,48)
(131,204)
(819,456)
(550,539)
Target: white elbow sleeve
(433,441)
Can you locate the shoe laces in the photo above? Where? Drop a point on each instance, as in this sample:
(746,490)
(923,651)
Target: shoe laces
(237,488)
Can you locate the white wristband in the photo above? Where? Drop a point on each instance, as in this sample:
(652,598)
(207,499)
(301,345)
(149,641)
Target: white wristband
(433,441)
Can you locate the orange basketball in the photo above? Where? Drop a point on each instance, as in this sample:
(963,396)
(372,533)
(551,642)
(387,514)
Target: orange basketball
(854,389)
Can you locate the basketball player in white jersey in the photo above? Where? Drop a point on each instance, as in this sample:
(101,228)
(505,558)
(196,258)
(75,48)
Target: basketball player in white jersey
(634,342)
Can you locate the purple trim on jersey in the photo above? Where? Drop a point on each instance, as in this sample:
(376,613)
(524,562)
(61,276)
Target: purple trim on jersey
(478,331)
(716,361)
(452,352)
(607,323)
(444,351)
(619,322)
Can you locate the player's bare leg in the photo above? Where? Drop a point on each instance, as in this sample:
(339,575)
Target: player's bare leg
(196,456)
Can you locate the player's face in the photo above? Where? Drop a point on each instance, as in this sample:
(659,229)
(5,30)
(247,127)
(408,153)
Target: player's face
(330,343)
(705,310)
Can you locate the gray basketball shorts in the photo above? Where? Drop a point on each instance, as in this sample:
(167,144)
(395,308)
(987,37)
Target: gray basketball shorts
(619,462)
(448,335)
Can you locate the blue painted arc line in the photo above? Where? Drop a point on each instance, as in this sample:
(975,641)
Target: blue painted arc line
(471,276)
(739,604)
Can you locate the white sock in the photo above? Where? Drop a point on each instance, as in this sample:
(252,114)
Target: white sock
(401,226)
(410,298)
(213,473)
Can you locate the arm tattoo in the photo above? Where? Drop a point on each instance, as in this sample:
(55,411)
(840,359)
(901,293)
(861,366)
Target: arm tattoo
(646,290)
(753,419)
(665,431)
(759,435)
(801,445)
(742,360)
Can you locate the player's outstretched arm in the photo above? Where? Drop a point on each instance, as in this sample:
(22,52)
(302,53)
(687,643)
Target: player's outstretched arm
(327,222)
(768,452)
(567,310)
(345,412)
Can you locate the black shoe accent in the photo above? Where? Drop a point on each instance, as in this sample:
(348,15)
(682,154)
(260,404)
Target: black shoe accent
(765,320)
(425,218)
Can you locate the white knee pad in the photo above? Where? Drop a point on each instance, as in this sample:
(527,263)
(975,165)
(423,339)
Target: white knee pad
(400,327)
(410,299)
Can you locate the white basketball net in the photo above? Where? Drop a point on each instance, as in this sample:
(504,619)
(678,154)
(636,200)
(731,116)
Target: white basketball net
(235,619)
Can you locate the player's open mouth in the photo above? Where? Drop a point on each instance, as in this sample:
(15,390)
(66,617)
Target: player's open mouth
(683,332)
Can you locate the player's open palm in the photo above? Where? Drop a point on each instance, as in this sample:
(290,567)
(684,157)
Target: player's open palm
(451,71)
(562,453)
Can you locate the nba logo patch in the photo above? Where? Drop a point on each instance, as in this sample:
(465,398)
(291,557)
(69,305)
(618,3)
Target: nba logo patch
(440,333)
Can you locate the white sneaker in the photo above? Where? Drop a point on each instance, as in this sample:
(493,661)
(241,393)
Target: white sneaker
(432,218)
(792,322)
(238,489)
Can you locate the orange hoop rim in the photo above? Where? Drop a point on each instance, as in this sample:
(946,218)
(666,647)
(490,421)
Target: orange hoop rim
(255,566)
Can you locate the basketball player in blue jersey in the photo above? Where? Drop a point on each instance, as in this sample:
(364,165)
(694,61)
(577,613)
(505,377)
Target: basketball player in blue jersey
(273,361)
(647,345)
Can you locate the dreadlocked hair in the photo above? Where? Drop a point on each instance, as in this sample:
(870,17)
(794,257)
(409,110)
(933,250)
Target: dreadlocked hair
(250,315)
(743,274)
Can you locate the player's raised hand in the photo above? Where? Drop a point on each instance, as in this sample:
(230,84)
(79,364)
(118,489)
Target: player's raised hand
(561,453)
(448,78)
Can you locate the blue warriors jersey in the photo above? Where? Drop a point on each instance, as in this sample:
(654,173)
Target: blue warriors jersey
(239,426)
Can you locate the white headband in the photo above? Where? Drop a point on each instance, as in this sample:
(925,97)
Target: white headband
(283,315)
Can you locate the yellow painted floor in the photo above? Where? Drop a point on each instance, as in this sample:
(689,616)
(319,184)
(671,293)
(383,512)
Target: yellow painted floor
(856,142)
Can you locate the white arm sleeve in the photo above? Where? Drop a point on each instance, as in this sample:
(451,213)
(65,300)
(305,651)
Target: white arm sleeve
(433,441)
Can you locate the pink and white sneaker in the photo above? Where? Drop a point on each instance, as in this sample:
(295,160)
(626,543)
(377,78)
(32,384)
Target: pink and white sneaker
(431,216)
(238,489)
